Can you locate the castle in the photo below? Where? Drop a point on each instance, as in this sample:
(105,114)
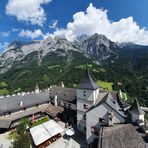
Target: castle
(91,106)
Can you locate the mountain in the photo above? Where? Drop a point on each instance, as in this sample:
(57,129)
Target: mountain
(96,46)
(99,46)
(132,46)
(50,61)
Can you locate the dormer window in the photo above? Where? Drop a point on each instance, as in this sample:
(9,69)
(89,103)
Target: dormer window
(85,106)
(102,120)
(65,94)
(84,93)
(94,130)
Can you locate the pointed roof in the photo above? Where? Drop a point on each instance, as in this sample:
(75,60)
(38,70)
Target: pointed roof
(107,99)
(88,83)
(136,107)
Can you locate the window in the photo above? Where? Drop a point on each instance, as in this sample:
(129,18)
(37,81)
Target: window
(102,120)
(69,105)
(66,94)
(84,128)
(59,103)
(94,130)
(85,106)
(84,93)
(110,115)
(84,117)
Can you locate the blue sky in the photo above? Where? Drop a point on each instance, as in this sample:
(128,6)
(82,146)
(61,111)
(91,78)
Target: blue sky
(119,20)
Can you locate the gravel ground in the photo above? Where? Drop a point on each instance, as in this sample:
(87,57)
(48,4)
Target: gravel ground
(4,141)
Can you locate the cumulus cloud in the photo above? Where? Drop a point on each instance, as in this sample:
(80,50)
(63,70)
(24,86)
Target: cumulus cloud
(4,45)
(33,34)
(96,21)
(16,29)
(53,24)
(5,34)
(30,34)
(30,11)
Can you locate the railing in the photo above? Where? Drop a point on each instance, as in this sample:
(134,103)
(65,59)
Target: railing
(144,109)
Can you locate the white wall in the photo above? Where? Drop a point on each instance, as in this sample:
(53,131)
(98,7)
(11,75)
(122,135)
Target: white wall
(89,94)
(92,119)
(96,93)
(80,116)
(141,117)
(81,100)
(80,104)
(81,123)
(136,117)
(81,126)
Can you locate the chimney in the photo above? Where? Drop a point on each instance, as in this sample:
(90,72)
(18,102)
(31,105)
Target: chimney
(21,103)
(110,118)
(23,93)
(37,89)
(55,100)
(62,84)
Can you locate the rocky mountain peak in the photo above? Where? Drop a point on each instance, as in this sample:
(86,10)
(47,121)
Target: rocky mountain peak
(99,46)
(96,46)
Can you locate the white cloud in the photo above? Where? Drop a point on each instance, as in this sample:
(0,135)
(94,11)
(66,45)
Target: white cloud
(4,45)
(33,34)
(30,11)
(16,29)
(96,21)
(45,36)
(5,34)
(29,34)
(53,24)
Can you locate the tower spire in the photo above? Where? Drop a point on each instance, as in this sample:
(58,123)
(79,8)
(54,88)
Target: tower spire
(88,82)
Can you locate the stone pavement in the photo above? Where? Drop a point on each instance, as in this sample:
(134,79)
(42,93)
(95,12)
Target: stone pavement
(4,141)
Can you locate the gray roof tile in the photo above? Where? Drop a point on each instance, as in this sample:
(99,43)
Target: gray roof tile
(88,83)
(135,108)
(12,103)
(122,135)
(63,93)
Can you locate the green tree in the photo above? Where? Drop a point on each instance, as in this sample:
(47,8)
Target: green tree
(23,140)
(4,91)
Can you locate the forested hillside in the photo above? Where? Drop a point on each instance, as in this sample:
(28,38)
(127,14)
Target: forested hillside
(125,69)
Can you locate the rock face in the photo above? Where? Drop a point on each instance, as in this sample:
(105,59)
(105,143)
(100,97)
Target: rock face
(99,46)
(95,46)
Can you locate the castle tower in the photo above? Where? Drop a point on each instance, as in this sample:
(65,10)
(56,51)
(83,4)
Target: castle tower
(137,113)
(87,93)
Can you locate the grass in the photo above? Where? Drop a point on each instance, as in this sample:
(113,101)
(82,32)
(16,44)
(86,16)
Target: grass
(105,85)
(13,135)
(124,96)
(84,66)
(40,121)
(54,66)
